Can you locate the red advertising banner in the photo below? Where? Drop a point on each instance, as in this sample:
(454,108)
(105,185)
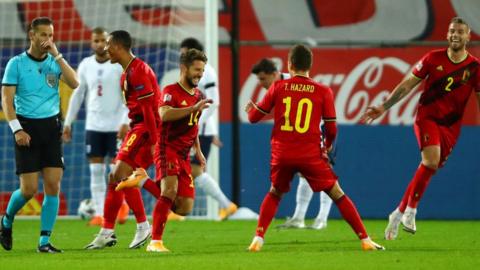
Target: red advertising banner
(359,77)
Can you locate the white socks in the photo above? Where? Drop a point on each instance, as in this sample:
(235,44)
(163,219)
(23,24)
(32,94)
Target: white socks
(211,188)
(325,206)
(143,225)
(98,186)
(304,195)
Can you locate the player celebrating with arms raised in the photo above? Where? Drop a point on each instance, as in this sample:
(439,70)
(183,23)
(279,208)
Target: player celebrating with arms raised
(451,75)
(300,104)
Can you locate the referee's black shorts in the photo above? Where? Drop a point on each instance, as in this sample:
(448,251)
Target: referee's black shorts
(45,148)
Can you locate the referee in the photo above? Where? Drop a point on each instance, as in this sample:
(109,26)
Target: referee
(31,103)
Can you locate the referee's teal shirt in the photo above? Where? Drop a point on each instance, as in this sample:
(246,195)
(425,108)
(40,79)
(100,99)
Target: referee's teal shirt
(36,80)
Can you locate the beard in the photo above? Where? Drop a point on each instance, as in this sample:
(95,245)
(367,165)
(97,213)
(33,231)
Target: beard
(191,83)
(456,46)
(101,53)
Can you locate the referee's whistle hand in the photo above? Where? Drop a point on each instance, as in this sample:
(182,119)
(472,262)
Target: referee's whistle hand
(22,138)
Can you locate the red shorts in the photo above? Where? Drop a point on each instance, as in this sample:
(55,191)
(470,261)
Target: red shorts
(136,149)
(172,164)
(430,133)
(317,171)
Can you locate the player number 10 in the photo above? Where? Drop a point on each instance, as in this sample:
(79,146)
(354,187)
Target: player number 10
(303,104)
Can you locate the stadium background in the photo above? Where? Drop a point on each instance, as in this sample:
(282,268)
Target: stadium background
(361,50)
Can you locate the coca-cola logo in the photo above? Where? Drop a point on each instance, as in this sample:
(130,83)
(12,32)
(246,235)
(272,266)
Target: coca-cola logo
(362,87)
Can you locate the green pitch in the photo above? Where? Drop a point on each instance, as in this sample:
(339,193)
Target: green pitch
(222,245)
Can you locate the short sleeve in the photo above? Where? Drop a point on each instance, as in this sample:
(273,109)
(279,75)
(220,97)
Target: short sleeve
(422,68)
(167,98)
(139,81)
(10,76)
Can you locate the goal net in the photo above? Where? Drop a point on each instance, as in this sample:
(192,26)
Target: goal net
(157,26)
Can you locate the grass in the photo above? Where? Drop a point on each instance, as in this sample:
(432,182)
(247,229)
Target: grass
(222,245)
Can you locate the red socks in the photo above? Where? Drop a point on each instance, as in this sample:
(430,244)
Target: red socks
(160,215)
(134,200)
(152,187)
(268,209)
(422,178)
(351,216)
(113,201)
(416,188)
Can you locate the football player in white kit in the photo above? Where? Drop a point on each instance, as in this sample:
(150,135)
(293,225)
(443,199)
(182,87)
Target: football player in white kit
(267,73)
(208,134)
(106,117)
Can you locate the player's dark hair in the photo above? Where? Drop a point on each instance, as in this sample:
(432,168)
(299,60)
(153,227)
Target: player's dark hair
(191,43)
(122,38)
(40,21)
(300,57)
(460,20)
(99,30)
(188,57)
(264,65)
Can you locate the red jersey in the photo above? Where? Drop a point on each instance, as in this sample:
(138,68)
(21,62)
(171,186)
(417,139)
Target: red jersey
(180,135)
(300,105)
(448,86)
(141,95)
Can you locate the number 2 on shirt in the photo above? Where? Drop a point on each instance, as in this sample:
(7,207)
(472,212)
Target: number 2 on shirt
(303,104)
(449,83)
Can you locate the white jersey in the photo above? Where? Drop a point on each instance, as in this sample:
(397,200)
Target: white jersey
(208,85)
(100,87)
(285,76)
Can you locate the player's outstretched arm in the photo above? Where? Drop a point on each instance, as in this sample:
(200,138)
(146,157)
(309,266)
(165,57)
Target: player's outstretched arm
(168,113)
(255,114)
(400,91)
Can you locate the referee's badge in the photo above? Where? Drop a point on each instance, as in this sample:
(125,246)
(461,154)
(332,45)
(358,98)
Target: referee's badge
(52,80)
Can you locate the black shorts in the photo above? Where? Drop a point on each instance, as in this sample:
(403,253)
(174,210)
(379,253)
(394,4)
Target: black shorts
(205,144)
(100,144)
(45,148)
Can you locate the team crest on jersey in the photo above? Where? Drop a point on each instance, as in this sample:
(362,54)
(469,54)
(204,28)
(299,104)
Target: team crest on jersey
(167,97)
(419,66)
(440,68)
(426,138)
(52,79)
(465,76)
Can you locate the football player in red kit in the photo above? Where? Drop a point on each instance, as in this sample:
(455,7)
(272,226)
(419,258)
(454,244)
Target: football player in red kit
(450,75)
(142,96)
(300,105)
